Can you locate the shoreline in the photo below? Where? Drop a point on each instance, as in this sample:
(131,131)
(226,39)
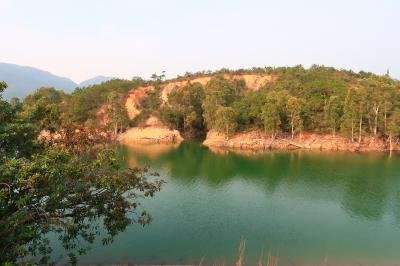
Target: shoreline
(258,141)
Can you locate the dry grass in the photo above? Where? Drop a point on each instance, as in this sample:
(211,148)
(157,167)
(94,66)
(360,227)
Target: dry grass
(242,248)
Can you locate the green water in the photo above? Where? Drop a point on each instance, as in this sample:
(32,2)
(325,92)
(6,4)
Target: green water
(303,207)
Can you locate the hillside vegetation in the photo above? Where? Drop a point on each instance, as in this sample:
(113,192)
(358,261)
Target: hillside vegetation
(284,101)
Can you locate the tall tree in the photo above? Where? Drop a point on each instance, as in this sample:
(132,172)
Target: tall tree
(361,105)
(349,113)
(333,110)
(394,127)
(293,108)
(218,92)
(184,110)
(117,114)
(226,120)
(271,115)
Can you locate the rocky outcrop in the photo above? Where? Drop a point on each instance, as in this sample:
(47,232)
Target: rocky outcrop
(150,135)
(257,140)
(153,132)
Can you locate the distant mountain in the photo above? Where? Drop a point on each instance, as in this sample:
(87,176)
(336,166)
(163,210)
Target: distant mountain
(94,81)
(23,80)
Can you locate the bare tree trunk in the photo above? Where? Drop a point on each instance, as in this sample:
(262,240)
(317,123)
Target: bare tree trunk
(360,130)
(352,130)
(390,143)
(376,110)
(334,128)
(292,128)
(385,119)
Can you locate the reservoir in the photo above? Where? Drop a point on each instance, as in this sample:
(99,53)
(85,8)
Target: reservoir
(301,207)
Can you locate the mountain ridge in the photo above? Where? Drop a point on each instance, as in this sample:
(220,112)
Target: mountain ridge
(24,80)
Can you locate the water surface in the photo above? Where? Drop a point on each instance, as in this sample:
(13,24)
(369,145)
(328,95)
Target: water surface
(306,208)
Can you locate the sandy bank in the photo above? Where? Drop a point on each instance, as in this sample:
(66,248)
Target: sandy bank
(150,135)
(257,140)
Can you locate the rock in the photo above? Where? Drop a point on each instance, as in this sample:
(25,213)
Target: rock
(257,140)
(150,135)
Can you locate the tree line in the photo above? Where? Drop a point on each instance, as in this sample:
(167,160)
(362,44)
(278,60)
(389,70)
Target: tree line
(319,99)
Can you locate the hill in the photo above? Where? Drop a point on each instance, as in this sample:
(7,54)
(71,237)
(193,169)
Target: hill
(94,81)
(24,80)
(250,107)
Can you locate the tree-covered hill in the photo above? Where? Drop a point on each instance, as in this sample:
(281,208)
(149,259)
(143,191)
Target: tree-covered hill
(292,100)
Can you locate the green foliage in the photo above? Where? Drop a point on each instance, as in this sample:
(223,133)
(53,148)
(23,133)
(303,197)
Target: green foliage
(271,114)
(326,100)
(44,108)
(184,111)
(218,92)
(116,113)
(248,109)
(3,86)
(16,132)
(62,189)
(85,102)
(318,99)
(62,193)
(394,123)
(293,109)
(333,111)
(226,120)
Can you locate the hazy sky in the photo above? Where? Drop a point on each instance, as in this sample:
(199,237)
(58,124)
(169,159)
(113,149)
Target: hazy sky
(83,38)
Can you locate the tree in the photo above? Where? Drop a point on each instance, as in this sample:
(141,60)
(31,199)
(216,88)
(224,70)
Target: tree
(48,190)
(374,99)
(388,105)
(117,114)
(333,110)
(226,120)
(360,101)
(44,108)
(61,193)
(218,92)
(3,86)
(271,115)
(158,78)
(17,134)
(394,127)
(185,104)
(249,109)
(293,107)
(349,113)
(354,111)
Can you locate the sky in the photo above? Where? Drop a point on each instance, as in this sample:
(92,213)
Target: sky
(80,39)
